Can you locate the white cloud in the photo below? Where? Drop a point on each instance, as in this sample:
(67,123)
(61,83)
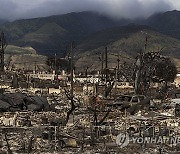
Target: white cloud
(175,4)
(13,9)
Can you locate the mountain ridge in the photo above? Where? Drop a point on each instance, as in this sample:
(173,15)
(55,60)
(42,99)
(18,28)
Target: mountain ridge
(128,41)
(77,26)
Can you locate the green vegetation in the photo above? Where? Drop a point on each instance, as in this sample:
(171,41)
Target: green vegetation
(92,32)
(52,34)
(167,23)
(55,32)
(128,41)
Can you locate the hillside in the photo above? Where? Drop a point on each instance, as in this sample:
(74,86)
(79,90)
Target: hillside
(92,31)
(52,34)
(15,50)
(49,35)
(24,58)
(3,21)
(125,40)
(167,23)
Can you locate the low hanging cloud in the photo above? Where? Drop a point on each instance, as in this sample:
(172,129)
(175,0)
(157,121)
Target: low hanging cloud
(17,9)
(7,8)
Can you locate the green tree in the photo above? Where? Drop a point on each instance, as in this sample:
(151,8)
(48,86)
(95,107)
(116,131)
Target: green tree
(152,67)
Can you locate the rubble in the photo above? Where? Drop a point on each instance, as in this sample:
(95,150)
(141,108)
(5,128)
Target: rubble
(18,102)
(84,116)
(46,132)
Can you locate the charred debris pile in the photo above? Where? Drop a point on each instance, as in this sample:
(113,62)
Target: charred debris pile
(87,117)
(88,123)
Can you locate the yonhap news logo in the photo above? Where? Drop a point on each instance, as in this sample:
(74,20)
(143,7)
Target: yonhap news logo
(123,140)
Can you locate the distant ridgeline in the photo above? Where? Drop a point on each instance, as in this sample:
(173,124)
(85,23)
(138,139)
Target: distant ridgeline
(92,32)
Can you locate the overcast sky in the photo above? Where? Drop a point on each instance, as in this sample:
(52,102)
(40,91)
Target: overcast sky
(18,9)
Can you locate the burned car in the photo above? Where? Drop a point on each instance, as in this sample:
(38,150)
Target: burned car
(130,103)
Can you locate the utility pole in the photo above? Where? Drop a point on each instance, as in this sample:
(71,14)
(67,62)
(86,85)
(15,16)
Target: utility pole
(106,64)
(72,72)
(145,46)
(102,64)
(35,67)
(86,71)
(55,63)
(118,61)
(3,45)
